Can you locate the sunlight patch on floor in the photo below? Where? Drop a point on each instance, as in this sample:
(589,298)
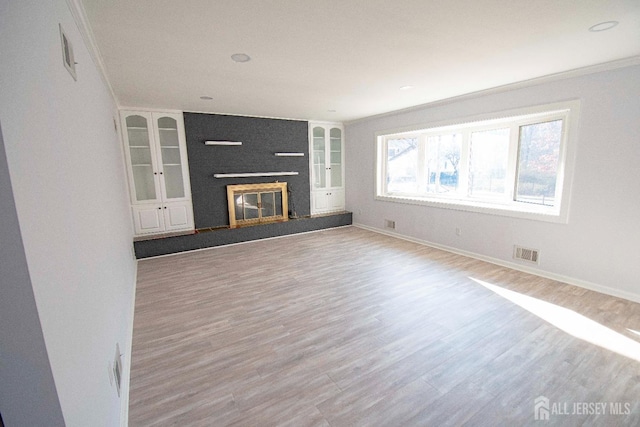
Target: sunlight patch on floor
(633,331)
(571,322)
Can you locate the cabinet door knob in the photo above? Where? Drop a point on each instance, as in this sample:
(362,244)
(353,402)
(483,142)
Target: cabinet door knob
(160,173)
(155,173)
(159,209)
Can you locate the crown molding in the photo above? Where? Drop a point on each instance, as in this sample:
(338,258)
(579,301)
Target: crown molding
(576,72)
(82,22)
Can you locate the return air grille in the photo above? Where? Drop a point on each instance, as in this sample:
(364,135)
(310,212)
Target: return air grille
(525,254)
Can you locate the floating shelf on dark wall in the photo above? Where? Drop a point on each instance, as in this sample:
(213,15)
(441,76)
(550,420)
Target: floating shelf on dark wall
(289,154)
(251,174)
(222,143)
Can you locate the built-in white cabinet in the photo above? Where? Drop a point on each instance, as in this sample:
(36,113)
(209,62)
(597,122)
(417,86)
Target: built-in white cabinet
(156,153)
(326,145)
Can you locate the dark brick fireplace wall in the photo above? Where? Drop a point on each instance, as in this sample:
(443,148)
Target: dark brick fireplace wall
(261,138)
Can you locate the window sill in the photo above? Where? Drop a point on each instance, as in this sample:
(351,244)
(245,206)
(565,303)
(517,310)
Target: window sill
(530,212)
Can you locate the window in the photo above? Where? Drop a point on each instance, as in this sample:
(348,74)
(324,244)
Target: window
(538,160)
(403,165)
(514,165)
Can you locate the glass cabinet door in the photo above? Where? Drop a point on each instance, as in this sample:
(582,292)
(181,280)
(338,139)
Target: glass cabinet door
(319,158)
(170,156)
(326,163)
(335,156)
(141,157)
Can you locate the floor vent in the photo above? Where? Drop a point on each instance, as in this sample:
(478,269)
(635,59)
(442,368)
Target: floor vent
(390,224)
(525,254)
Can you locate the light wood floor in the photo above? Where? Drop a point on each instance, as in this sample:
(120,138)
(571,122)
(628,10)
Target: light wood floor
(348,327)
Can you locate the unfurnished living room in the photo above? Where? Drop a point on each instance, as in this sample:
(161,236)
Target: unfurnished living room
(331,213)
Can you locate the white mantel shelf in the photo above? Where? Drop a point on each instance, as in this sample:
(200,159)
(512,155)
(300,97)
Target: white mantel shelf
(251,174)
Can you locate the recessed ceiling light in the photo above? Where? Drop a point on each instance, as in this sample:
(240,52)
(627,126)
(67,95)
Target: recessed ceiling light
(603,26)
(406,87)
(241,57)
(206,98)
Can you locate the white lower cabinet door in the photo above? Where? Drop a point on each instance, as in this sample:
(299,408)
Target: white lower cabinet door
(148,219)
(178,216)
(319,201)
(336,200)
(327,201)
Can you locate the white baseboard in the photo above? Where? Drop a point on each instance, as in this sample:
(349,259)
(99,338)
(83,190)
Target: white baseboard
(512,265)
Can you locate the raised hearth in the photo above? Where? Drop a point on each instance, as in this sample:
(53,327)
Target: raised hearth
(224,236)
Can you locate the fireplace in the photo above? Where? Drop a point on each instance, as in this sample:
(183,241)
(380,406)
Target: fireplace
(251,204)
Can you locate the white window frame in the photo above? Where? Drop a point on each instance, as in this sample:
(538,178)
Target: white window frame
(568,111)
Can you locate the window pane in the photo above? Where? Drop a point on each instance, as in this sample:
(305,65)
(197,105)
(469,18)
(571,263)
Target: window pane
(239,207)
(335,137)
(402,165)
(141,163)
(538,157)
(267,203)
(319,159)
(250,205)
(278,203)
(443,160)
(488,162)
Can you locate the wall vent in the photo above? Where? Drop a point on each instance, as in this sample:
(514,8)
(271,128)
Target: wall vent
(67,54)
(117,369)
(526,254)
(390,224)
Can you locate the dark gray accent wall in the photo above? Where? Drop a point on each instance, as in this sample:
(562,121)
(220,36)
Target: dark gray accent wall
(28,395)
(261,138)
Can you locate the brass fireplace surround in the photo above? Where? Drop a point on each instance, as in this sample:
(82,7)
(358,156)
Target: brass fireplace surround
(257,203)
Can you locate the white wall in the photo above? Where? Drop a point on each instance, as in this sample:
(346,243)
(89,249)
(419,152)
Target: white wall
(27,392)
(68,179)
(598,248)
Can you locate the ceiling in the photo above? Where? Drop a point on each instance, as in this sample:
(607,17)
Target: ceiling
(341,60)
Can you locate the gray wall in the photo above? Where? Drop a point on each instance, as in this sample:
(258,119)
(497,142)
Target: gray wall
(67,172)
(597,248)
(260,138)
(27,392)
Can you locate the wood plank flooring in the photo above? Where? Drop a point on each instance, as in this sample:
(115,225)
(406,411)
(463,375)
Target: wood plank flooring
(347,327)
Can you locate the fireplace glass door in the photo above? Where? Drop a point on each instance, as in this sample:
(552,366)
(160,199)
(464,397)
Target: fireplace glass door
(255,203)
